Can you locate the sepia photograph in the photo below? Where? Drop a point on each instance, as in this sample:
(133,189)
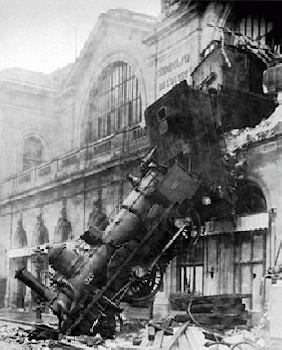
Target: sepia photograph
(141,174)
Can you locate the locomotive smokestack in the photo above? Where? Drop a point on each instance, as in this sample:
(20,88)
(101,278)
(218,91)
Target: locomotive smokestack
(27,278)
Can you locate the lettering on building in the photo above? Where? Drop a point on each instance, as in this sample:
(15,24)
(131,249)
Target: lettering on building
(173,72)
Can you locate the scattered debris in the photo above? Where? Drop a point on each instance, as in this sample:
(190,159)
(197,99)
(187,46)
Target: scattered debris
(166,335)
(188,336)
(43,332)
(237,139)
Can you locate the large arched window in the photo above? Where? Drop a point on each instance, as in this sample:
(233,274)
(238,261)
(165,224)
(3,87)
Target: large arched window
(32,152)
(115,102)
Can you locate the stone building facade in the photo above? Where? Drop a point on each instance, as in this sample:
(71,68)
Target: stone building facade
(69,139)
(57,156)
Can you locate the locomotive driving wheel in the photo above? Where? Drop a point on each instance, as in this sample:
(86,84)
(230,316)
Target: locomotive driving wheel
(145,284)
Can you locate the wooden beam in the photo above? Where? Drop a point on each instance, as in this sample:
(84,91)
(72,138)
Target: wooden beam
(179,332)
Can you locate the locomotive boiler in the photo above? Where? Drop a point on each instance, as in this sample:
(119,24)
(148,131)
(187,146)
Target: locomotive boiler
(183,181)
(126,262)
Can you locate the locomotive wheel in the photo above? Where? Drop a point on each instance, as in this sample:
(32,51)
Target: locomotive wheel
(145,286)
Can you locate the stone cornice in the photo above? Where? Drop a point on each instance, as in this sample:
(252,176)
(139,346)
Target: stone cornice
(77,175)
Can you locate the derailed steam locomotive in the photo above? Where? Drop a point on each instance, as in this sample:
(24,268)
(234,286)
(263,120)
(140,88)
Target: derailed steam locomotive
(184,180)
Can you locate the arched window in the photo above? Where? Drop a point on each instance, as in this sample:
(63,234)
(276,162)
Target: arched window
(250,199)
(32,152)
(115,102)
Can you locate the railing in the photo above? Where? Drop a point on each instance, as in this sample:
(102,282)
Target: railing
(100,152)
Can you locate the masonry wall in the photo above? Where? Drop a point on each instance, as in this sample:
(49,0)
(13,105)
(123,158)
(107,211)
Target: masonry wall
(264,164)
(23,112)
(57,116)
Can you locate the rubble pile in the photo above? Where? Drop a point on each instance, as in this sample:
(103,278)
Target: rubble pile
(189,336)
(10,334)
(238,139)
(17,338)
(166,334)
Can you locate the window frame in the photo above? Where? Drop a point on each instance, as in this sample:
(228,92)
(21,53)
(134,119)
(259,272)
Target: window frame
(195,269)
(117,101)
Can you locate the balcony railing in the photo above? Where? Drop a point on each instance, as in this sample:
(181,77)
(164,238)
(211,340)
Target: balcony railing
(100,152)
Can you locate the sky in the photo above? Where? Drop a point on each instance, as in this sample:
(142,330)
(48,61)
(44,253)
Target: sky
(43,35)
